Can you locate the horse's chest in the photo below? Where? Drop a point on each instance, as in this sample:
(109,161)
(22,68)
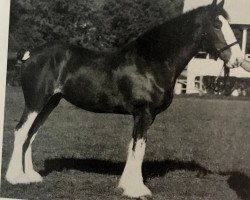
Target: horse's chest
(138,86)
(145,87)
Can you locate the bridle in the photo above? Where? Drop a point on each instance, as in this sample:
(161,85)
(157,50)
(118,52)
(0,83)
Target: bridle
(217,54)
(219,51)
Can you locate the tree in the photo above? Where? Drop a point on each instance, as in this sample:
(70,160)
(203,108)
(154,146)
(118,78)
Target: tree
(96,24)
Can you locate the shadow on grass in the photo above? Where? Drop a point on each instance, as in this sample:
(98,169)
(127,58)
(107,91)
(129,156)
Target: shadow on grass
(149,168)
(237,181)
(240,183)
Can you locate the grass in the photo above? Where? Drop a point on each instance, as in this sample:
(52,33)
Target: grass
(197,149)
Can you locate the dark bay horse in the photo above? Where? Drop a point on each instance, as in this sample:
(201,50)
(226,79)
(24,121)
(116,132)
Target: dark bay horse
(137,80)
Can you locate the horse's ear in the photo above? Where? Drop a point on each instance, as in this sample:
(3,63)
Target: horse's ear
(214,3)
(221,4)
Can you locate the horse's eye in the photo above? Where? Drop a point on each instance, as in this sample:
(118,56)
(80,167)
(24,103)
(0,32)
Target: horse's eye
(217,23)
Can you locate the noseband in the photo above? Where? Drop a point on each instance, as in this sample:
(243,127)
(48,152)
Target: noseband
(219,51)
(226,70)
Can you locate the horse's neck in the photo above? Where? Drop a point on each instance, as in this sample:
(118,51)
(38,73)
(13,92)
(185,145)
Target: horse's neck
(174,42)
(180,54)
(183,57)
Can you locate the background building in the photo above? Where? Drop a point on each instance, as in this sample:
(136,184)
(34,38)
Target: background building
(203,65)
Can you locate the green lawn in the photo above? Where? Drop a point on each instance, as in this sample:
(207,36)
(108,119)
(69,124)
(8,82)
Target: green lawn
(198,149)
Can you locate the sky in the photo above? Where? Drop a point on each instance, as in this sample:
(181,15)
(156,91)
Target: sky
(238,10)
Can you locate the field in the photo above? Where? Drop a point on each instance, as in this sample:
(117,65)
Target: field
(198,149)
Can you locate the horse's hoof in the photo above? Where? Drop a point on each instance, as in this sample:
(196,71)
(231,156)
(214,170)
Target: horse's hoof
(145,198)
(35,177)
(17,178)
(23,178)
(139,191)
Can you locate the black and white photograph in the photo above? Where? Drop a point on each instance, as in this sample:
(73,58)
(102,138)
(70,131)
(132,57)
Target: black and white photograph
(125,99)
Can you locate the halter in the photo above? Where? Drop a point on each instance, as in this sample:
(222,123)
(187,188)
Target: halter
(219,51)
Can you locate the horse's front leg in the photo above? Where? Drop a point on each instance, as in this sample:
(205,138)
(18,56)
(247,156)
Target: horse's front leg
(131,180)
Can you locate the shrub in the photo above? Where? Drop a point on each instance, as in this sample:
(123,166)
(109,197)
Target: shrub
(98,24)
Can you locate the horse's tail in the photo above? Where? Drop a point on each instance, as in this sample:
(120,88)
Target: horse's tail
(23,55)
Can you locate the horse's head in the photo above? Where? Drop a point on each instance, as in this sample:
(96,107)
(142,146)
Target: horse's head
(218,38)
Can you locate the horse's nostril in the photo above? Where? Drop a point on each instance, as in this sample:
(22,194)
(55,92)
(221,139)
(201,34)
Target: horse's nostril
(239,61)
(229,65)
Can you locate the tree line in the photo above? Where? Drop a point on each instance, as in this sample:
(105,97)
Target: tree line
(95,24)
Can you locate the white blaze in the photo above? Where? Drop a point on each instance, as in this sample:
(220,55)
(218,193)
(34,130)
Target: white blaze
(230,38)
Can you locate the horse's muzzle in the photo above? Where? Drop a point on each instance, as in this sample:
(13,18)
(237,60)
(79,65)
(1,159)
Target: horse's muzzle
(230,65)
(237,63)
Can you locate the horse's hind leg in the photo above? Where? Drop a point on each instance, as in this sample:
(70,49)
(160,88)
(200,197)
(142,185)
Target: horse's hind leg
(132,181)
(20,169)
(15,173)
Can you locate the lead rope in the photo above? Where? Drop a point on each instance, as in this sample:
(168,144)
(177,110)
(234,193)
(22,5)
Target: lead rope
(226,76)
(216,79)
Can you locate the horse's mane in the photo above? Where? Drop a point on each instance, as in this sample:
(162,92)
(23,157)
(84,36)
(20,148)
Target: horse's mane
(189,17)
(176,31)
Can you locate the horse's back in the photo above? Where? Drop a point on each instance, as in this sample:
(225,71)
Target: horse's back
(112,82)
(81,75)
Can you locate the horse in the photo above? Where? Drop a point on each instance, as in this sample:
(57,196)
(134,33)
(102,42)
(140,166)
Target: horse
(138,79)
